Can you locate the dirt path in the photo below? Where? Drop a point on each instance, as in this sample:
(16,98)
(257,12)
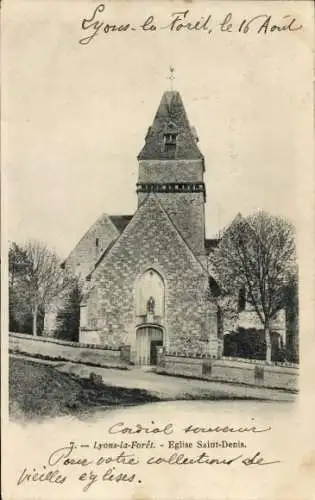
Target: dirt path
(167,387)
(170,388)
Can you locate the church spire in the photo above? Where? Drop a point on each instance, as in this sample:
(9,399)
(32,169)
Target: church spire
(172,166)
(170,136)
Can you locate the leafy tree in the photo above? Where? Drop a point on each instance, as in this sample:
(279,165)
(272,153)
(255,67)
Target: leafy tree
(258,252)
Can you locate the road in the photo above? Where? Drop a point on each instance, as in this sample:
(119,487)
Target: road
(167,387)
(170,388)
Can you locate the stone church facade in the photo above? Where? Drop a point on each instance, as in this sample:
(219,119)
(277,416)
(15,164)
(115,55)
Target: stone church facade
(147,283)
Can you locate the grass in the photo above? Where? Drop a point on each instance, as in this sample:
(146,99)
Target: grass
(38,390)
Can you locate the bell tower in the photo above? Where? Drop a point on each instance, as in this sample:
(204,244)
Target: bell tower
(172,166)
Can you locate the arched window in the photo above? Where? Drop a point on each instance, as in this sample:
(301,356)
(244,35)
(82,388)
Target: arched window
(150,292)
(170,136)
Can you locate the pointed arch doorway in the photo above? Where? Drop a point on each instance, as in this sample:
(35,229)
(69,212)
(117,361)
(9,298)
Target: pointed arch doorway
(149,339)
(150,296)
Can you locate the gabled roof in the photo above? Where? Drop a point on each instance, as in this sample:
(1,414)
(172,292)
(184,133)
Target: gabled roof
(171,111)
(153,201)
(120,221)
(100,258)
(97,224)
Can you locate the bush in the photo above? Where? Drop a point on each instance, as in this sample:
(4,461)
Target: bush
(250,343)
(96,379)
(68,318)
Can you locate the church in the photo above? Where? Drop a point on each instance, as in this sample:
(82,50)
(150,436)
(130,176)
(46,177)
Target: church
(147,279)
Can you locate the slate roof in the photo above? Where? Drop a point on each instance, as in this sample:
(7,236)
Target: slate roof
(170,113)
(120,221)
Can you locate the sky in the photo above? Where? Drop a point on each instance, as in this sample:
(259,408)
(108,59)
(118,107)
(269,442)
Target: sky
(76,115)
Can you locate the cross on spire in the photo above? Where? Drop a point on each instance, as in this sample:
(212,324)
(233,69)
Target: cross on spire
(171,77)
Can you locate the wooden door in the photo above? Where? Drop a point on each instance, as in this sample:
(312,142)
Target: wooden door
(155,344)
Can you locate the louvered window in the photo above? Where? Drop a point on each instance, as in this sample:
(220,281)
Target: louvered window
(170,141)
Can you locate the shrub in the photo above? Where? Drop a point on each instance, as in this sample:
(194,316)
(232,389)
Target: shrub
(250,343)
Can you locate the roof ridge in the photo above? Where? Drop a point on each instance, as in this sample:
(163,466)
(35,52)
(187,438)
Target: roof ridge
(109,248)
(98,220)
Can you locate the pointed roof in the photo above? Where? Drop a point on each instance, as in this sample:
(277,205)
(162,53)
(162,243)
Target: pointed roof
(171,115)
(119,223)
(151,202)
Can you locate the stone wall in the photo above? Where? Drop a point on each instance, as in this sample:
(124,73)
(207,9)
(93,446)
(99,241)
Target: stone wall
(151,241)
(89,337)
(170,171)
(59,349)
(87,251)
(81,261)
(186,210)
(249,372)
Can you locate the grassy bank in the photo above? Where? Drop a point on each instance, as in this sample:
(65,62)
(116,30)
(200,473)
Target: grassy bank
(38,390)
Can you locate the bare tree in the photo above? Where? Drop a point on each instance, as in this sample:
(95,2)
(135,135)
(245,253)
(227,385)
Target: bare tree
(258,252)
(43,277)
